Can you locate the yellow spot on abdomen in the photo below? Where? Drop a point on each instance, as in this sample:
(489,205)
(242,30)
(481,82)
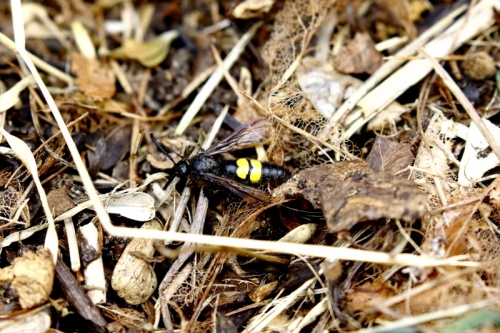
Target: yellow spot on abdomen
(256,172)
(243,168)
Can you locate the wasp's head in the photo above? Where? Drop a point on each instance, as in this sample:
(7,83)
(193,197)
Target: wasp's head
(182,168)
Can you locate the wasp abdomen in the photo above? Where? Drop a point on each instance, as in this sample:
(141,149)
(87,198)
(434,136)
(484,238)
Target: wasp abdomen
(254,171)
(274,173)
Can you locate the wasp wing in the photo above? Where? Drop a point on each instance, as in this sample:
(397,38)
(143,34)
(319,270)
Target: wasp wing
(244,135)
(241,190)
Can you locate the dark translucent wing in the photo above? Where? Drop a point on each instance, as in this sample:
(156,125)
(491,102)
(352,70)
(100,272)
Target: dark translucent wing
(239,189)
(245,135)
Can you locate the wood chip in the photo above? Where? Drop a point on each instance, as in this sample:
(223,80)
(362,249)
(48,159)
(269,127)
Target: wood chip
(350,192)
(76,295)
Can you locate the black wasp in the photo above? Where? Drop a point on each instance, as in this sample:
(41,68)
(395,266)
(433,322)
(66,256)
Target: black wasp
(236,175)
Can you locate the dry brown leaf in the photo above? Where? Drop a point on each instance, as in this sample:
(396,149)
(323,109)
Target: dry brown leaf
(389,155)
(359,56)
(454,220)
(94,79)
(448,232)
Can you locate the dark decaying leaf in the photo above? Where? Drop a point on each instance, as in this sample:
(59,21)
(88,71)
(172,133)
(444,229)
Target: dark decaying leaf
(350,192)
(117,144)
(223,324)
(109,150)
(297,273)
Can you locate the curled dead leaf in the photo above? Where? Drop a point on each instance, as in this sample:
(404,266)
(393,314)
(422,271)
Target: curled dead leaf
(390,155)
(95,80)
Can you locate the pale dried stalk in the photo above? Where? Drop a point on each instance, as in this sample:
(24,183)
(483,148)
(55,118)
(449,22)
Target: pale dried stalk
(74,253)
(480,18)
(276,307)
(94,272)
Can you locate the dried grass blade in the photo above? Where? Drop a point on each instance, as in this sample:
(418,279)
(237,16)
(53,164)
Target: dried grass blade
(11,96)
(24,154)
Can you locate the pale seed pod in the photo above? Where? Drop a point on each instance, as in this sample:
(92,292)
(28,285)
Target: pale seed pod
(301,234)
(134,279)
(262,292)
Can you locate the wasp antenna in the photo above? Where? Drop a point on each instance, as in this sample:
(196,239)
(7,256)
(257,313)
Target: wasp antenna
(179,155)
(160,148)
